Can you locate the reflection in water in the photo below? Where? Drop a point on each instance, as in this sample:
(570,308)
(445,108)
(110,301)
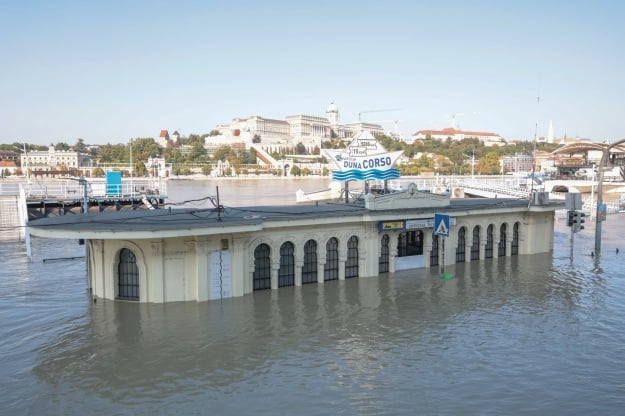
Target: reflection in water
(361,343)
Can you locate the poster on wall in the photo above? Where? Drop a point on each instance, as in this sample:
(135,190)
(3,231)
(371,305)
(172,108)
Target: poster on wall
(220,277)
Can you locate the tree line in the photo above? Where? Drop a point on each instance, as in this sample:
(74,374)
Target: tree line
(443,156)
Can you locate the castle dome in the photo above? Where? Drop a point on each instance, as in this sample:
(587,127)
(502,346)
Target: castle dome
(332,108)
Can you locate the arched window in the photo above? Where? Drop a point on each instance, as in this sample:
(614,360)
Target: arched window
(475,245)
(331,268)
(462,245)
(488,250)
(286,273)
(351,266)
(410,243)
(262,267)
(514,248)
(434,252)
(502,240)
(309,269)
(128,275)
(384,254)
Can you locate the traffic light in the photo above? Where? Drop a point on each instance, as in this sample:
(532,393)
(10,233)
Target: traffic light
(578,220)
(569,218)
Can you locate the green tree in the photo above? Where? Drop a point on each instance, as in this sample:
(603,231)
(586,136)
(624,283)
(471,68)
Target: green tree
(489,164)
(300,149)
(139,168)
(207,169)
(80,146)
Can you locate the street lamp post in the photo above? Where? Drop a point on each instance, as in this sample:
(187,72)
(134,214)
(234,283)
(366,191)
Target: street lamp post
(25,165)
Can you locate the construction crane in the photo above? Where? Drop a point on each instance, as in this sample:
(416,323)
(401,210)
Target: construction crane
(454,115)
(360,113)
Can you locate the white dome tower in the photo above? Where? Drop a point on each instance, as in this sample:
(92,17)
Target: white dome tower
(332,114)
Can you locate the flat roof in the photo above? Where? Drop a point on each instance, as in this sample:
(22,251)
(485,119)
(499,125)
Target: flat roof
(194,221)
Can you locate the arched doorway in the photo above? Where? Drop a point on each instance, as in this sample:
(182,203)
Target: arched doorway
(262,267)
(434,252)
(351,266)
(503,235)
(309,269)
(128,276)
(286,273)
(384,260)
(331,268)
(488,250)
(514,248)
(475,245)
(461,248)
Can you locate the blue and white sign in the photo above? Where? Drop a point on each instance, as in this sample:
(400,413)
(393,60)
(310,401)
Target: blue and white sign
(441,225)
(365,158)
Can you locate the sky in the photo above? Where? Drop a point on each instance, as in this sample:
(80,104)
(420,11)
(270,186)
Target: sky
(109,71)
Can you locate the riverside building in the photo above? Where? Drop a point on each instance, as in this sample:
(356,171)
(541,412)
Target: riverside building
(201,254)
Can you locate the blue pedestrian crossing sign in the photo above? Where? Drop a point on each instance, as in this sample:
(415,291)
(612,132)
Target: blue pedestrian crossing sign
(441,225)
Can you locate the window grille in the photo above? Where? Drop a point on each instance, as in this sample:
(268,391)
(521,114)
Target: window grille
(351,266)
(309,269)
(462,245)
(128,274)
(262,267)
(434,252)
(514,249)
(286,273)
(475,245)
(488,250)
(384,255)
(331,268)
(502,240)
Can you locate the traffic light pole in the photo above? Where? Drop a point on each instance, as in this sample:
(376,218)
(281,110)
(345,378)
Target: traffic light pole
(604,157)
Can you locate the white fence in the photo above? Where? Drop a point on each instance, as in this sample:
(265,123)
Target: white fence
(71,188)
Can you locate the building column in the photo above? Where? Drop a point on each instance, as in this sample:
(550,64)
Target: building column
(392,251)
(482,247)
(321,263)
(298,272)
(275,267)
(156,283)
(240,270)
(428,239)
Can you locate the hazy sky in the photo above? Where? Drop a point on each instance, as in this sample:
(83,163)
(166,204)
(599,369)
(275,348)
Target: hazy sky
(108,71)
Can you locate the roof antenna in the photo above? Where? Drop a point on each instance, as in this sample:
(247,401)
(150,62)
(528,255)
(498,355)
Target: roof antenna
(219,208)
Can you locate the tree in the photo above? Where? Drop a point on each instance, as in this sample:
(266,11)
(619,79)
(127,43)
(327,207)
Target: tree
(223,153)
(301,149)
(97,173)
(139,168)
(80,146)
(206,169)
(489,164)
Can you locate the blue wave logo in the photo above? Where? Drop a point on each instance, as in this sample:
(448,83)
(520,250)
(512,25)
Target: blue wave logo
(359,175)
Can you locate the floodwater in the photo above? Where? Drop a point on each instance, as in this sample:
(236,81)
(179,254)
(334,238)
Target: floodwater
(529,335)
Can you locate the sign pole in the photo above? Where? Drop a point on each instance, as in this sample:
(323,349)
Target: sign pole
(443,262)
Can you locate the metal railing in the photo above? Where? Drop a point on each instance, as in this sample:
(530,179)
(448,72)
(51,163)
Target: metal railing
(70,189)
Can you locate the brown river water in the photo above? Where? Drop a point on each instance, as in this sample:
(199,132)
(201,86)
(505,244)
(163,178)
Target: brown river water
(531,335)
